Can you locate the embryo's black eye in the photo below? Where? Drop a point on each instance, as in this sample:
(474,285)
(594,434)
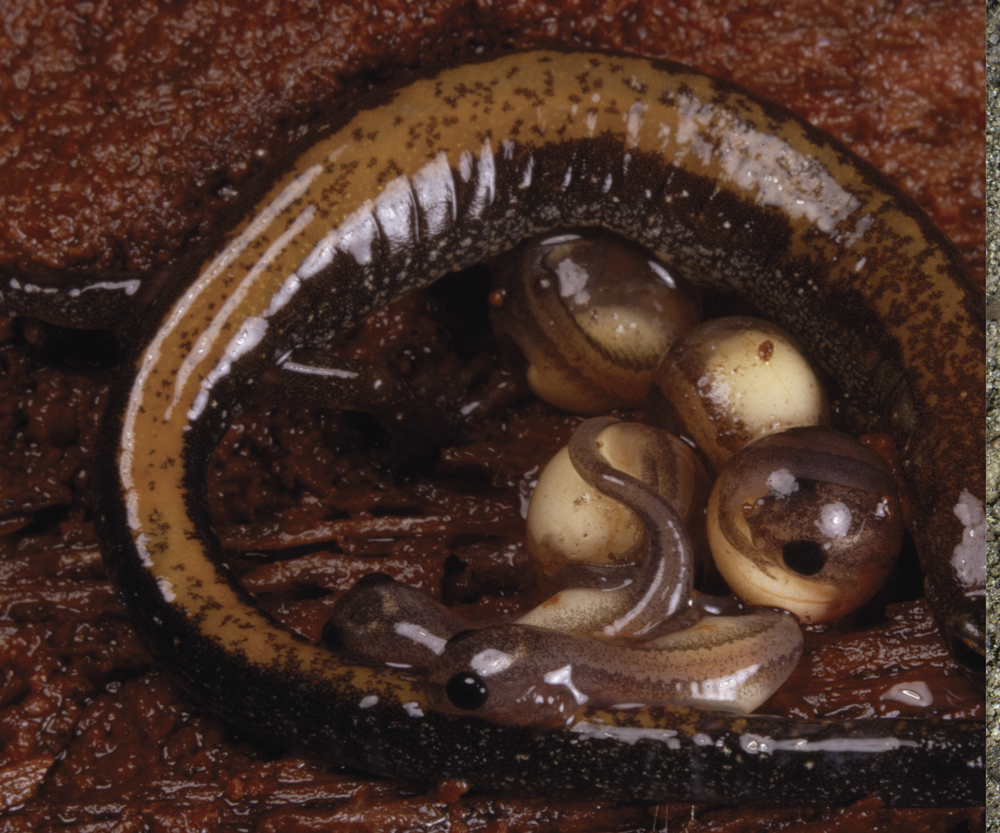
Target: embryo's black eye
(466,691)
(804,557)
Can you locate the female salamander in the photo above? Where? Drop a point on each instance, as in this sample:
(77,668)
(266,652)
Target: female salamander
(734,193)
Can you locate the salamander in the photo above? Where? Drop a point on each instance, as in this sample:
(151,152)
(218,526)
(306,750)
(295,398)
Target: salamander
(453,168)
(641,637)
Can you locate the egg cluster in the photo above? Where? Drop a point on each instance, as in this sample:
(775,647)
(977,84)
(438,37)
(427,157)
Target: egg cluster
(800,516)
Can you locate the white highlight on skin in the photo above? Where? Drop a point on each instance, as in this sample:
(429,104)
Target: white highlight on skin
(660,272)
(487,184)
(353,237)
(431,190)
(634,118)
(760,745)
(357,234)
(224,315)
(651,593)
(715,389)
(848,240)
(249,336)
(722,688)
(564,676)
(367,701)
(914,694)
(834,519)
(396,211)
(969,556)
(558,239)
(166,587)
(142,545)
(320,257)
(466,165)
(526,178)
(747,157)
(663,133)
(434,187)
(782,483)
(412,708)
(283,295)
(491,661)
(421,636)
(572,281)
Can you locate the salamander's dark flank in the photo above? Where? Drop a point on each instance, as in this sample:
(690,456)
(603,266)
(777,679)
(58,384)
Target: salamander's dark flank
(733,193)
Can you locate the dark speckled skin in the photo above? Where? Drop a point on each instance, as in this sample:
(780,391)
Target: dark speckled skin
(735,194)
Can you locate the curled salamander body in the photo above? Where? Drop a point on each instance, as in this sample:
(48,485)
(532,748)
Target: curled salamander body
(450,170)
